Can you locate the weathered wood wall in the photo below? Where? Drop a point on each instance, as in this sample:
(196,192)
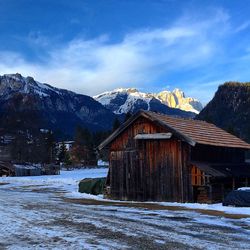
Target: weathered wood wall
(149,169)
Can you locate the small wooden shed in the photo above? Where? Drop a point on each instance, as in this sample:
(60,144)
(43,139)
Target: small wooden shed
(162,158)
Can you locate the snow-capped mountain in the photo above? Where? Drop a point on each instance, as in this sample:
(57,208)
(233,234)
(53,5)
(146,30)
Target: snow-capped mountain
(13,83)
(58,109)
(177,99)
(130,100)
(28,103)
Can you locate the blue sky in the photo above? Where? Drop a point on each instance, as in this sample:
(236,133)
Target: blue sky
(97,45)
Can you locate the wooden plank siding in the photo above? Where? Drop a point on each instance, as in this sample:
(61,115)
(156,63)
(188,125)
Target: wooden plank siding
(149,169)
(196,162)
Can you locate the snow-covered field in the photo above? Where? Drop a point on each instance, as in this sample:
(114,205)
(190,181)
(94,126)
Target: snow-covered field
(66,181)
(36,213)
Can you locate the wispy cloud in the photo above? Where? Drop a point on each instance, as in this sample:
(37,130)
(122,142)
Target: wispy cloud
(93,65)
(243,26)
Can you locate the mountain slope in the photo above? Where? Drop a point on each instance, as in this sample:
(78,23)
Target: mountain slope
(57,109)
(130,100)
(230,109)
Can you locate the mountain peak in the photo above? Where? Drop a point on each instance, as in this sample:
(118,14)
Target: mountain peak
(124,90)
(123,100)
(17,75)
(12,83)
(178,92)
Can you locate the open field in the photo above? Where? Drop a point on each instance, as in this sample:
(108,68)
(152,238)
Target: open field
(45,212)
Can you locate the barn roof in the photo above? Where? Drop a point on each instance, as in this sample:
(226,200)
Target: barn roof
(223,169)
(191,131)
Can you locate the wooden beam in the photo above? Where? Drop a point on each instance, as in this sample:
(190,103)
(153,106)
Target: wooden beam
(154,136)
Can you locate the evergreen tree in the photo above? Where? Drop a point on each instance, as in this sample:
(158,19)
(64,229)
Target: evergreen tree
(67,159)
(230,129)
(116,124)
(127,116)
(48,146)
(62,152)
(83,150)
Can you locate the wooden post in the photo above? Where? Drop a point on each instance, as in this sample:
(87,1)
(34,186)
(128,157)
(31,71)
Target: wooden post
(210,193)
(181,169)
(222,191)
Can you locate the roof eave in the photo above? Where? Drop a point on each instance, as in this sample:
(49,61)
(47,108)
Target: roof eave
(151,118)
(119,130)
(245,147)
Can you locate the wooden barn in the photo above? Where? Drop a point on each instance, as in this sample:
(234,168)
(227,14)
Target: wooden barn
(162,158)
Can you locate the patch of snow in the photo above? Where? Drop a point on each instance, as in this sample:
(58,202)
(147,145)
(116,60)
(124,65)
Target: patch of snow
(67,180)
(244,189)
(102,163)
(214,207)
(25,166)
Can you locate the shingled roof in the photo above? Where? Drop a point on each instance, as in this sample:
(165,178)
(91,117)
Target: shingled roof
(224,169)
(191,131)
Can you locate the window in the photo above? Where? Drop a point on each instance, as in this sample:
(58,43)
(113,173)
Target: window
(198,177)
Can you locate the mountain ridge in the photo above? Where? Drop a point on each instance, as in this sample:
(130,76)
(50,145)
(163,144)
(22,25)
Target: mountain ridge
(59,109)
(230,109)
(24,100)
(123,100)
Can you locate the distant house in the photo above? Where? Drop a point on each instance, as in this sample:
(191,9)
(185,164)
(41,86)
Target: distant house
(68,144)
(11,169)
(163,158)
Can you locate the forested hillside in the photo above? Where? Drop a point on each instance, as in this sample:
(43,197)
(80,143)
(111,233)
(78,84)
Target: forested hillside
(230,109)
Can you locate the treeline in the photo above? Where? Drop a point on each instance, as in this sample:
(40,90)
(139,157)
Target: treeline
(84,149)
(39,147)
(29,143)
(26,141)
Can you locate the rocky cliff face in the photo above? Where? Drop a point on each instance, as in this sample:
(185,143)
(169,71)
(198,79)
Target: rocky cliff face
(230,109)
(57,109)
(177,99)
(130,100)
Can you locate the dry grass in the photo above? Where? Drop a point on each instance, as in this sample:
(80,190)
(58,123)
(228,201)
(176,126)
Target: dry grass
(3,183)
(151,206)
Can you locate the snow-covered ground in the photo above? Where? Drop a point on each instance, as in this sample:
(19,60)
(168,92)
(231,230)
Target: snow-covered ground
(36,213)
(68,182)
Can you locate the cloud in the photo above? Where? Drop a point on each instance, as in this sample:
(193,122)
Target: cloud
(91,66)
(243,26)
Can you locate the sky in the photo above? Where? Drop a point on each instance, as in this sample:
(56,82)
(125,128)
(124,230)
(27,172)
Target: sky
(154,45)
